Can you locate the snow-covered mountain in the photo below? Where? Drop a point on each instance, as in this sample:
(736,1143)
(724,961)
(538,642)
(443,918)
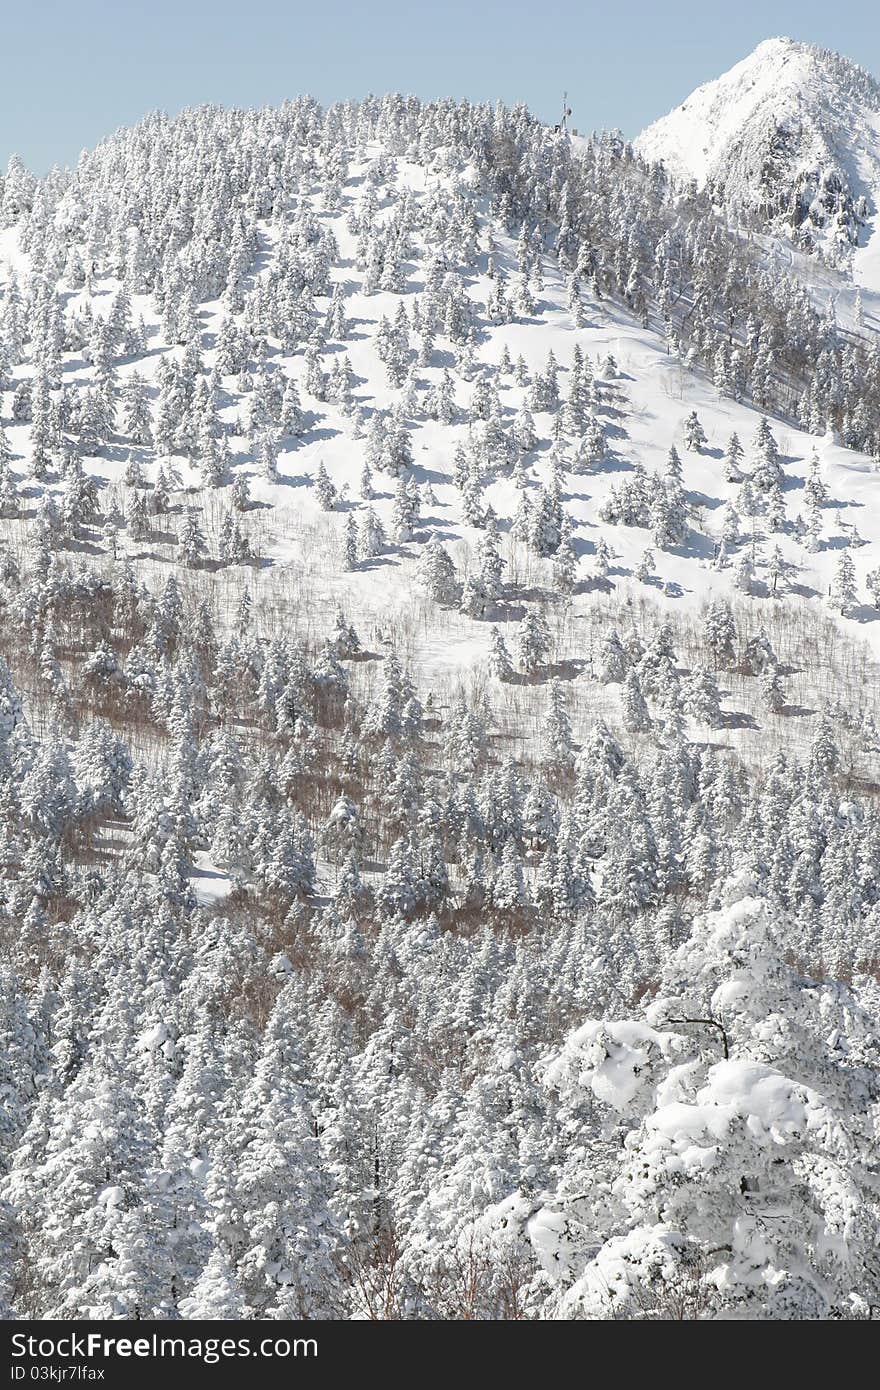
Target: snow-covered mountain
(439,754)
(791,136)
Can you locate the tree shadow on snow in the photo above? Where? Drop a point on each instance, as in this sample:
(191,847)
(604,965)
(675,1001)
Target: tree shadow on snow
(864,613)
(737,719)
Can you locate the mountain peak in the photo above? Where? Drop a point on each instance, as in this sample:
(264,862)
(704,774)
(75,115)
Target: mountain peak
(789,135)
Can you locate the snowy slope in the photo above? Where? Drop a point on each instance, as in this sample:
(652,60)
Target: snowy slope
(643,411)
(789,134)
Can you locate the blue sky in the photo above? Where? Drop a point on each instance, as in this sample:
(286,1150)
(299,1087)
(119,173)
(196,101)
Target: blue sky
(74,71)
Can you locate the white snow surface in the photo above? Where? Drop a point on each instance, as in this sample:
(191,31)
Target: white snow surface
(774,1109)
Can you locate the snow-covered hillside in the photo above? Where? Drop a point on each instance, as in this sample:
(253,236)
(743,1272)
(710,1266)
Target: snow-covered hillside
(440,582)
(790,135)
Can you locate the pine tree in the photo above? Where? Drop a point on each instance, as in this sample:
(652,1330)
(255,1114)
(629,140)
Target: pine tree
(843,594)
(565,561)
(136,417)
(610,664)
(436,573)
(694,434)
(509,892)
(772,693)
(700,698)
(557,747)
(733,456)
(240,493)
(370,535)
(268,456)
(325,491)
(814,529)
(474,599)
(500,664)
(405,511)
(351,552)
(191,540)
(720,633)
(533,642)
(646,567)
(744,577)
(767,470)
(634,709)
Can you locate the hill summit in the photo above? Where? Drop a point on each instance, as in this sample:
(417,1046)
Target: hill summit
(790,136)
